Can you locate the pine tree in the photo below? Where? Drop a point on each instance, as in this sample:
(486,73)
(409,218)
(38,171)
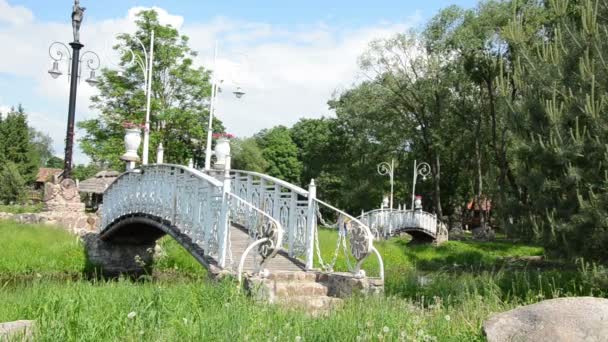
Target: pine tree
(12,185)
(18,147)
(560,112)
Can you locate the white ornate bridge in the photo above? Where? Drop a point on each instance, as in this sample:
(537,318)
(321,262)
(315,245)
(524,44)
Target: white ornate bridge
(232,221)
(421,225)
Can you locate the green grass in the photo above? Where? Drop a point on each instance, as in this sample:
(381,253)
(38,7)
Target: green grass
(465,282)
(21,208)
(38,251)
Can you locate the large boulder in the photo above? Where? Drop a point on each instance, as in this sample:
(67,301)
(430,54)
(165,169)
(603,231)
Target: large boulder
(555,320)
(16,331)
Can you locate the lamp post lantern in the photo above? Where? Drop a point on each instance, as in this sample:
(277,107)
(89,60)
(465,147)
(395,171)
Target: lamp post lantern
(213,104)
(59,52)
(145,64)
(386,169)
(422,169)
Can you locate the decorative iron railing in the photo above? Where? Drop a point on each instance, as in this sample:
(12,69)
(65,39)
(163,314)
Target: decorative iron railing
(384,222)
(286,203)
(198,205)
(297,210)
(275,214)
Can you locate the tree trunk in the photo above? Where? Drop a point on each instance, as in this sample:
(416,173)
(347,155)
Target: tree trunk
(437,176)
(478,200)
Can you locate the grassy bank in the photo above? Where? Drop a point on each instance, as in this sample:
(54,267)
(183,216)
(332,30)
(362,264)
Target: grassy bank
(441,294)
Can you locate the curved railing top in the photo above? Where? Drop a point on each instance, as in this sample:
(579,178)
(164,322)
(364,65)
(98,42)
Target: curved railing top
(282,183)
(194,172)
(354,219)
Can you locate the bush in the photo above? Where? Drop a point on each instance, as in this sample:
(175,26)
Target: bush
(12,184)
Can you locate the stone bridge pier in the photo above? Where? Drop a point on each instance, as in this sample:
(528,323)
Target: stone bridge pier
(128,250)
(114,258)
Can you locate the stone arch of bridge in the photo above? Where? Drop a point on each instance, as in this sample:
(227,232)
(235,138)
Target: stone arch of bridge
(126,246)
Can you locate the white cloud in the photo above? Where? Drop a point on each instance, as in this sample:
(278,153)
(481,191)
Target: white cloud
(14,15)
(287,74)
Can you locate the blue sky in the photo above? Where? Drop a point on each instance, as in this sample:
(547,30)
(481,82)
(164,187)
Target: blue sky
(290,57)
(279,12)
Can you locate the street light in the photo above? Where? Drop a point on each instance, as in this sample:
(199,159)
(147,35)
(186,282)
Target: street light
(145,65)
(213,104)
(422,169)
(238,92)
(61,52)
(386,169)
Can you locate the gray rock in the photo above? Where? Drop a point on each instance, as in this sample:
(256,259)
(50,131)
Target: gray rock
(16,331)
(555,320)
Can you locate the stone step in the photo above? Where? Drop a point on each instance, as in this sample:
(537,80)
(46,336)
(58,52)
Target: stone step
(297,276)
(290,289)
(313,305)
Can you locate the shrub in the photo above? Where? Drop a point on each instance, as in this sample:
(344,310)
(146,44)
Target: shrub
(12,184)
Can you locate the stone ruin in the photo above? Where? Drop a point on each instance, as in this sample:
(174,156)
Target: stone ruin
(62,207)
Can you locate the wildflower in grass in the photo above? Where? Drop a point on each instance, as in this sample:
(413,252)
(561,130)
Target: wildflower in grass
(385,329)
(132,315)
(447,318)
(298,338)
(139,261)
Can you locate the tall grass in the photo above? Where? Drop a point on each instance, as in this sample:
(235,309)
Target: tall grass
(21,208)
(441,294)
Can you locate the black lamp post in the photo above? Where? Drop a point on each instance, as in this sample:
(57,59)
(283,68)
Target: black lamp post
(58,52)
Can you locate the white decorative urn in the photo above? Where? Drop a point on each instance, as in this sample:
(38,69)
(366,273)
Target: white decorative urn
(222,150)
(418,203)
(132,142)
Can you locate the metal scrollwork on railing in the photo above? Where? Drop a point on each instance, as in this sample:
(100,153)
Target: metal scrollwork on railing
(358,234)
(258,224)
(282,201)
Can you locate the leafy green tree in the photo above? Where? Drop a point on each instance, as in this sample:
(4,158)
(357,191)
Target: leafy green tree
(43,145)
(55,162)
(178,116)
(313,139)
(82,172)
(12,185)
(281,153)
(247,155)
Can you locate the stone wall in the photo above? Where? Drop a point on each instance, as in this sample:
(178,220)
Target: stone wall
(75,222)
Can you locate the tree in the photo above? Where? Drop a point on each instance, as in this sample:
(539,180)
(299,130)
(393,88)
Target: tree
(179,118)
(558,104)
(312,137)
(82,172)
(247,155)
(17,146)
(12,185)
(55,162)
(43,145)
(279,150)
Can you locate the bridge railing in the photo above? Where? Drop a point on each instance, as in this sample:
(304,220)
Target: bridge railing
(383,222)
(265,233)
(198,205)
(285,202)
(297,210)
(189,199)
